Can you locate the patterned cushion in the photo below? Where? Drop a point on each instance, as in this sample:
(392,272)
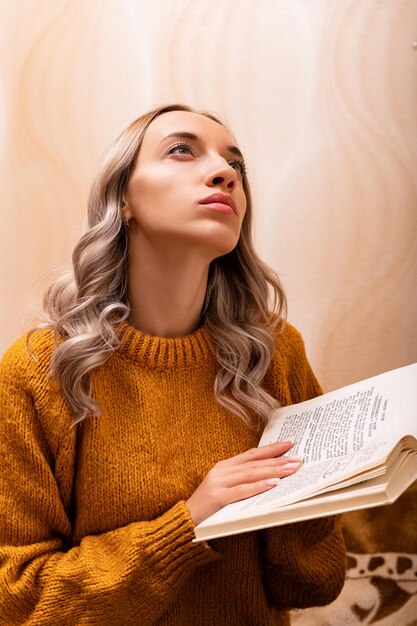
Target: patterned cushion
(381,584)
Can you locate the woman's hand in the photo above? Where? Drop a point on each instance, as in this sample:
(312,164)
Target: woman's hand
(247,474)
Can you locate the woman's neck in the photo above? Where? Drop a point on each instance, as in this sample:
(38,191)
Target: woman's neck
(166,291)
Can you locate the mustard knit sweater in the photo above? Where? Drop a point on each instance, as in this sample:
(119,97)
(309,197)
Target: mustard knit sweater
(93,524)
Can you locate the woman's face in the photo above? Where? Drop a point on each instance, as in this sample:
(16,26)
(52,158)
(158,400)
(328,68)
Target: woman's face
(186,185)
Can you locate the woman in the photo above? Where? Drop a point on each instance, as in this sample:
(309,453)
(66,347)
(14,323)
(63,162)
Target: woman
(166,359)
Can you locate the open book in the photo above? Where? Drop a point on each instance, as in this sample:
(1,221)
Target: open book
(359,446)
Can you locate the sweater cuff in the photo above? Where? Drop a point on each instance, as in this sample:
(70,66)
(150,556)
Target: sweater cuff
(170,546)
(297,547)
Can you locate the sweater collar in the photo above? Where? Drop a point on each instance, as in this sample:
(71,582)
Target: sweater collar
(163,353)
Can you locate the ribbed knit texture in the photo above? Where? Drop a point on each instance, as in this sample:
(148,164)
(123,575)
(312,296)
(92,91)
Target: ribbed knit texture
(93,524)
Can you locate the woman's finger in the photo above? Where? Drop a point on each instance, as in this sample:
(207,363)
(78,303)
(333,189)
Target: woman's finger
(241,492)
(248,475)
(256,454)
(274,462)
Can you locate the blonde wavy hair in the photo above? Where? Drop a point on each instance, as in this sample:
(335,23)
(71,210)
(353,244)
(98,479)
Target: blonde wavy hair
(244,301)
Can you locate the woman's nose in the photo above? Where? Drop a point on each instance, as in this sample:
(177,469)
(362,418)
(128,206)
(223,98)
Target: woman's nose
(222,174)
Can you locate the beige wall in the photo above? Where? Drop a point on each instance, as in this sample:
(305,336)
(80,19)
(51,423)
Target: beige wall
(322,95)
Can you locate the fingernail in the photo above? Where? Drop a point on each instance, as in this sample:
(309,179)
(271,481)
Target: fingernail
(291,466)
(294,459)
(286,441)
(272,481)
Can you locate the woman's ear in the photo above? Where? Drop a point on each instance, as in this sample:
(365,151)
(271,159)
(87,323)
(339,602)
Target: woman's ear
(126,212)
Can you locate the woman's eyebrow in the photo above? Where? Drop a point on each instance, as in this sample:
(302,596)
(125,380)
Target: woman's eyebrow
(193,137)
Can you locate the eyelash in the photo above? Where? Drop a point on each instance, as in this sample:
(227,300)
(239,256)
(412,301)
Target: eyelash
(242,164)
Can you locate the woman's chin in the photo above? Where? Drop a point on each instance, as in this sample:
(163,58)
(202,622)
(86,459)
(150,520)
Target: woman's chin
(219,241)
(220,248)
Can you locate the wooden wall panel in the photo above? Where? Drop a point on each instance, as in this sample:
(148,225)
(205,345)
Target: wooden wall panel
(322,97)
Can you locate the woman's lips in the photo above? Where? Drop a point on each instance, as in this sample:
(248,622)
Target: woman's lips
(220,202)
(218,206)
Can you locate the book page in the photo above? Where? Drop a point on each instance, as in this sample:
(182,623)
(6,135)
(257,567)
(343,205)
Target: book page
(329,428)
(382,408)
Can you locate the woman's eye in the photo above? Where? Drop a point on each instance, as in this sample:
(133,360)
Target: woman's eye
(180,148)
(239,166)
